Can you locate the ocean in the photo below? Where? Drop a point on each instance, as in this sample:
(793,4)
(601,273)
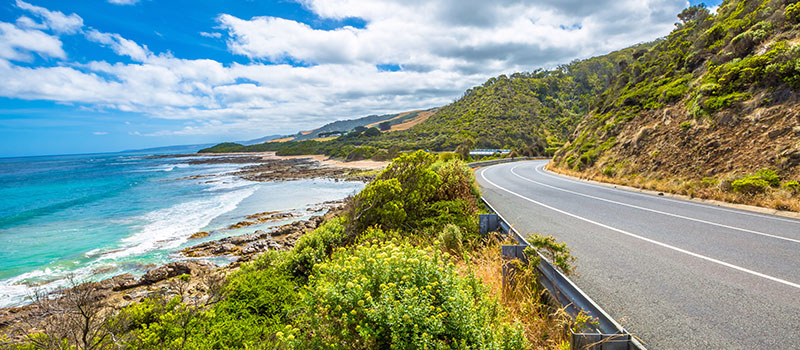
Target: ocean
(90,217)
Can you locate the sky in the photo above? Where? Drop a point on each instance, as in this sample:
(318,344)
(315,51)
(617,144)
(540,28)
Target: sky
(108,75)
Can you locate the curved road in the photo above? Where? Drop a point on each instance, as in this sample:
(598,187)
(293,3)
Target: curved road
(677,274)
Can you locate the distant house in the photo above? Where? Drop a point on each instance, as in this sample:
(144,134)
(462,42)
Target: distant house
(331,133)
(480,153)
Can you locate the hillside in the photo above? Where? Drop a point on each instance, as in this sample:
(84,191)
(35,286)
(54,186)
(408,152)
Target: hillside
(533,113)
(716,99)
(350,124)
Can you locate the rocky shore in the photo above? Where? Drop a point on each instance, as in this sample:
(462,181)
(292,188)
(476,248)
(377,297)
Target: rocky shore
(192,277)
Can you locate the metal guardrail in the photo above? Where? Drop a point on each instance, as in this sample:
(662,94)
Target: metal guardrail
(500,161)
(607,334)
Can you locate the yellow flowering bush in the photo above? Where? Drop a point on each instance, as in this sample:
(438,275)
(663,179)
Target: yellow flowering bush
(395,295)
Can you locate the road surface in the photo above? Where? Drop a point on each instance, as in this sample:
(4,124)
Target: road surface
(677,274)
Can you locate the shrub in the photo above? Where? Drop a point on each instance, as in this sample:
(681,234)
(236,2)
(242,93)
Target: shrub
(450,237)
(315,247)
(557,253)
(416,192)
(400,297)
(793,12)
(769,176)
(793,186)
(361,152)
(750,185)
(687,125)
(708,182)
(457,182)
(157,323)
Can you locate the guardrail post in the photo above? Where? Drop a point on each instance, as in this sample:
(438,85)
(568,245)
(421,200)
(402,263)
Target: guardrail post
(510,253)
(488,223)
(594,341)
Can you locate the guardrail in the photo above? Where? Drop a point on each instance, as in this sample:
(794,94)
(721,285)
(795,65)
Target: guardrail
(500,161)
(607,334)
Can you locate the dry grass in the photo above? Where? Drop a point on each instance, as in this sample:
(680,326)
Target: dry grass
(526,303)
(774,198)
(285,139)
(421,117)
(322,139)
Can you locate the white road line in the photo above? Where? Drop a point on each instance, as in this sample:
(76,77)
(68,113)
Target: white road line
(684,251)
(709,206)
(653,210)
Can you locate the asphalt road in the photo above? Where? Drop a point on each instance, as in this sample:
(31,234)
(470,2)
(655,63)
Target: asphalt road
(677,274)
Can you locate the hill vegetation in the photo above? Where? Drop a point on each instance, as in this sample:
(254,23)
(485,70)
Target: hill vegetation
(533,113)
(704,110)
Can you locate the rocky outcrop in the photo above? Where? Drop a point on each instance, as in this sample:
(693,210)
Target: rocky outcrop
(246,246)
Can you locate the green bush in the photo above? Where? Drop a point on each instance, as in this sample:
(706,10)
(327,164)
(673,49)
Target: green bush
(687,125)
(315,247)
(415,192)
(750,185)
(793,186)
(793,12)
(450,237)
(396,296)
(157,323)
(769,176)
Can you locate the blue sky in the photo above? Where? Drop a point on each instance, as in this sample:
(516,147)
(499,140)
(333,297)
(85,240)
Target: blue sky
(95,76)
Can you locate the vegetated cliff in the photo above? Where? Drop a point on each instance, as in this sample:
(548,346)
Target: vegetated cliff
(533,113)
(716,99)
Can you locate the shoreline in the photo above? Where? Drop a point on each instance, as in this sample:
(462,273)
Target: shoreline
(196,260)
(320,158)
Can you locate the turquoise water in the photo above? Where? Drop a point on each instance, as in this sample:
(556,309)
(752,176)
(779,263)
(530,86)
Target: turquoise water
(96,216)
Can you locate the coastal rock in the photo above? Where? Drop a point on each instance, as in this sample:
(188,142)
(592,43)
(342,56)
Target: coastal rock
(260,246)
(238,240)
(122,282)
(224,248)
(174,269)
(199,235)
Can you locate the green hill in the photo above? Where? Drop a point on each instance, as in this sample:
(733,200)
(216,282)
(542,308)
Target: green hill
(716,97)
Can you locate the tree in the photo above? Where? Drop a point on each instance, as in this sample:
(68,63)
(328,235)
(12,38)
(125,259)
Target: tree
(372,132)
(385,126)
(693,14)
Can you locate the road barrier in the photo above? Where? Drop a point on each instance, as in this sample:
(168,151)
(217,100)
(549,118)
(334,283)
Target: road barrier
(606,334)
(501,160)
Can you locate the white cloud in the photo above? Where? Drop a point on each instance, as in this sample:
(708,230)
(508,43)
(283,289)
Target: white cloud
(123,2)
(120,45)
(17,44)
(215,35)
(443,47)
(99,133)
(55,20)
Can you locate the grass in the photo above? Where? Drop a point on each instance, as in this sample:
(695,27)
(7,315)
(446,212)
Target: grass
(545,326)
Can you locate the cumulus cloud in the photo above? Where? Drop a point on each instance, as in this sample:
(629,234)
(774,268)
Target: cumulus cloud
(455,34)
(440,47)
(120,45)
(17,43)
(55,20)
